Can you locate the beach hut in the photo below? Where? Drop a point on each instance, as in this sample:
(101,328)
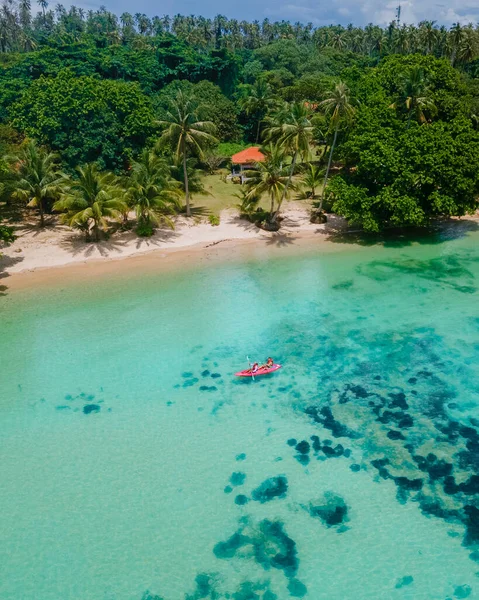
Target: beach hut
(244,161)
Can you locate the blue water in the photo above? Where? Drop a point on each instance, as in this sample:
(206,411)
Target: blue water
(133,464)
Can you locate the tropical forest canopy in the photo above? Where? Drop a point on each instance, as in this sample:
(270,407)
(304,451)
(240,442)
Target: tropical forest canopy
(392,113)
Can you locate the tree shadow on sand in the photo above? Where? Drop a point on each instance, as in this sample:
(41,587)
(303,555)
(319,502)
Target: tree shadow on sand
(437,233)
(5,263)
(280,239)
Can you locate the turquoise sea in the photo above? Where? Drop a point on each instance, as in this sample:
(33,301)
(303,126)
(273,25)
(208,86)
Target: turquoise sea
(133,464)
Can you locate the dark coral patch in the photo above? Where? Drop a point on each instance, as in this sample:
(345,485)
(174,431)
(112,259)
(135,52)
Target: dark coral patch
(395,435)
(271,546)
(332,510)
(237,478)
(205,373)
(91,408)
(241,500)
(208,388)
(274,487)
(296,588)
(190,382)
(215,375)
(325,417)
(303,447)
(406,580)
(292,442)
(241,456)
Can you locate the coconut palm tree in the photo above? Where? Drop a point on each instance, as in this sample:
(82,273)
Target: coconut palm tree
(312,178)
(37,177)
(151,191)
(293,130)
(270,178)
(90,200)
(338,107)
(415,96)
(185,134)
(257,100)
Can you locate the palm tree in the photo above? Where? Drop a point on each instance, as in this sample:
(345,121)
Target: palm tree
(91,199)
(428,35)
(38,177)
(415,96)
(258,100)
(455,39)
(312,177)
(152,192)
(270,177)
(184,133)
(337,106)
(292,129)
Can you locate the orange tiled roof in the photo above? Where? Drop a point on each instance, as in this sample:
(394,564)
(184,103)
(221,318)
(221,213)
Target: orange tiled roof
(248,156)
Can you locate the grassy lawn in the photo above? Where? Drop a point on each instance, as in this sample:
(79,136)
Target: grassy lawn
(221,195)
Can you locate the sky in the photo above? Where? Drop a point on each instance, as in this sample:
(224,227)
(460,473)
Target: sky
(358,12)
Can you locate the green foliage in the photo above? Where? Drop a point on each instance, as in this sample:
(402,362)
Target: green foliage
(145,229)
(229,148)
(213,106)
(405,178)
(92,87)
(7,234)
(185,134)
(214,220)
(86,119)
(152,193)
(92,198)
(37,178)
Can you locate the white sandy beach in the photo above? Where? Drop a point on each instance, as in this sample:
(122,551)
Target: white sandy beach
(57,245)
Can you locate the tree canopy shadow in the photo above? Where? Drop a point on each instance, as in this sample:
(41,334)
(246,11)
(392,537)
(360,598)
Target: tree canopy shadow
(437,232)
(280,240)
(74,244)
(5,263)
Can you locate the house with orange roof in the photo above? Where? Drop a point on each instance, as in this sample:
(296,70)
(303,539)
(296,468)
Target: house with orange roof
(245,160)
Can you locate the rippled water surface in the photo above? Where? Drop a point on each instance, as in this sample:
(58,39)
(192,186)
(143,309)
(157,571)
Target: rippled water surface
(133,464)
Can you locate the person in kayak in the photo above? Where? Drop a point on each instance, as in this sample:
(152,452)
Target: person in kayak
(268,364)
(254,368)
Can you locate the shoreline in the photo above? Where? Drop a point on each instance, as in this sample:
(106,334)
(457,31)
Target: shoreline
(54,252)
(58,255)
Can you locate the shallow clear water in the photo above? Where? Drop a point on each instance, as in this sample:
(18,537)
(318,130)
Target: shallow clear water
(161,487)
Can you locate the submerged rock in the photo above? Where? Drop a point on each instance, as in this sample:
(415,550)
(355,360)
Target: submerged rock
(296,588)
(331,509)
(303,447)
(237,478)
(241,500)
(91,408)
(406,580)
(274,487)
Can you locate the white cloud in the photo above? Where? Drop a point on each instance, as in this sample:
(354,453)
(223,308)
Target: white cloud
(361,12)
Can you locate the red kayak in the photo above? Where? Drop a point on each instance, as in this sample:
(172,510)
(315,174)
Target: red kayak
(263,371)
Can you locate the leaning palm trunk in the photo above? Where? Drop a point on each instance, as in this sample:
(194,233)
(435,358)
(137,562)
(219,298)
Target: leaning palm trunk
(328,168)
(40,209)
(271,208)
(187,192)
(286,187)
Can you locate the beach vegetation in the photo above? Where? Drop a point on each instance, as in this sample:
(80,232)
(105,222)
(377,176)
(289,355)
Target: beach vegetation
(91,200)
(38,179)
(152,193)
(381,115)
(185,135)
